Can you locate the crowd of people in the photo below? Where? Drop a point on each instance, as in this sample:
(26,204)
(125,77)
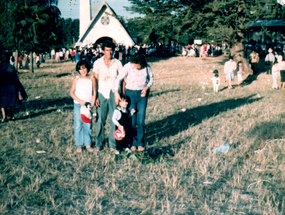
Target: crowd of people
(274,65)
(204,50)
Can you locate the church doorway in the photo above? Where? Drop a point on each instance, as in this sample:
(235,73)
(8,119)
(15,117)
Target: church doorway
(103,39)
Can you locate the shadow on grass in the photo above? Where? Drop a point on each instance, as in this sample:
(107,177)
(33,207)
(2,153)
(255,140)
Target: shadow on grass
(42,107)
(63,75)
(265,131)
(153,94)
(178,122)
(249,80)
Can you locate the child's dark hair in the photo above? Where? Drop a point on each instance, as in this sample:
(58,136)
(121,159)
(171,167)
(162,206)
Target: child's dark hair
(231,57)
(216,75)
(239,62)
(138,58)
(82,63)
(124,97)
(108,44)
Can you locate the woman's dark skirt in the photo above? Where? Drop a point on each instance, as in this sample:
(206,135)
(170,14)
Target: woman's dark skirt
(282,74)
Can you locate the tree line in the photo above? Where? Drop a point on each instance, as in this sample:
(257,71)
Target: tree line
(213,21)
(35,26)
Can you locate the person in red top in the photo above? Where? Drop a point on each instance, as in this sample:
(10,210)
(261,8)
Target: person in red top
(72,55)
(20,62)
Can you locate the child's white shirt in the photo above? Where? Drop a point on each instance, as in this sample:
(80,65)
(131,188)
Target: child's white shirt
(216,80)
(83,89)
(117,115)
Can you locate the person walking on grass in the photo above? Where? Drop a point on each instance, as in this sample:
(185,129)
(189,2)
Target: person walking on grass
(229,68)
(106,70)
(83,92)
(121,118)
(138,79)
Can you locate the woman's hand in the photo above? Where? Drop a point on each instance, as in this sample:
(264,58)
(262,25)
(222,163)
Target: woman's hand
(144,91)
(133,111)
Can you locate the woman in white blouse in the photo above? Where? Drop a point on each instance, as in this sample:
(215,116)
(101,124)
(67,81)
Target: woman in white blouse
(138,79)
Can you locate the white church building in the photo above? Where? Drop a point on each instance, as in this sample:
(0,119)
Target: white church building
(104,25)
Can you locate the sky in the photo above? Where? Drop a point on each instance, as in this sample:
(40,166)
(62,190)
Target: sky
(70,8)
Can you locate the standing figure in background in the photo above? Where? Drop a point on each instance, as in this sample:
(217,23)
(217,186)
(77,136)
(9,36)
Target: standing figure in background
(20,63)
(254,59)
(269,60)
(229,68)
(281,66)
(275,74)
(216,82)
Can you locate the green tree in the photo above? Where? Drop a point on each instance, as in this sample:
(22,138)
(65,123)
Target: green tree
(226,21)
(69,32)
(230,21)
(29,25)
(158,23)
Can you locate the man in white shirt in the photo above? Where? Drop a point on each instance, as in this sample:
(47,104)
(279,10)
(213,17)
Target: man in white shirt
(230,67)
(106,70)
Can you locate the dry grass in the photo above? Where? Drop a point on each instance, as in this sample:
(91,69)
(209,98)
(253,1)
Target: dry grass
(63,182)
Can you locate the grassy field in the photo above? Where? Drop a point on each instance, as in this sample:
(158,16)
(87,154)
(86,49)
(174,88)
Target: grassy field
(183,115)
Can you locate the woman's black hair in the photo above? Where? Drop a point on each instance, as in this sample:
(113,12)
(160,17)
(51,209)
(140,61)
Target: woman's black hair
(216,75)
(82,63)
(108,44)
(138,58)
(239,62)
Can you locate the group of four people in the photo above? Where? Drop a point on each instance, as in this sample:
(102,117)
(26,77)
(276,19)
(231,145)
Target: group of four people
(103,90)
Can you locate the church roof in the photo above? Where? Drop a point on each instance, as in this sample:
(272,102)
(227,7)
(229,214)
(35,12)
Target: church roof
(96,19)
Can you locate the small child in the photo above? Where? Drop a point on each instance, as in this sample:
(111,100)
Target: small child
(83,91)
(121,120)
(239,72)
(216,82)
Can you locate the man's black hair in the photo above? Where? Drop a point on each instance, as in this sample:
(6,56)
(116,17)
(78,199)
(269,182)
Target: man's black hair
(108,44)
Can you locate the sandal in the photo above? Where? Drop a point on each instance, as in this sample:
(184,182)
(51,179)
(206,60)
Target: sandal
(133,148)
(140,148)
(79,149)
(97,149)
(89,149)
